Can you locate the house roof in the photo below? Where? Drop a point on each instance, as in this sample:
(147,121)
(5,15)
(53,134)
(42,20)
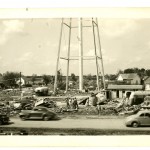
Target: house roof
(125,87)
(30,78)
(147,80)
(129,75)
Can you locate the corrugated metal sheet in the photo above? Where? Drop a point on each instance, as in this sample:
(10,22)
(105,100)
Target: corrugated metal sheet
(125,87)
(146,93)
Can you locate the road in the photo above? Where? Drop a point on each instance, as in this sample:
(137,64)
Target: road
(67,123)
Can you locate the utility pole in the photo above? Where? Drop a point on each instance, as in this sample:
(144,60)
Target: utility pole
(20,81)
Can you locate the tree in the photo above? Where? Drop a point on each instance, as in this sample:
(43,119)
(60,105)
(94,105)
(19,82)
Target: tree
(89,77)
(119,72)
(62,85)
(46,79)
(141,72)
(112,77)
(148,72)
(33,78)
(2,85)
(52,79)
(73,77)
(129,70)
(88,83)
(59,76)
(9,78)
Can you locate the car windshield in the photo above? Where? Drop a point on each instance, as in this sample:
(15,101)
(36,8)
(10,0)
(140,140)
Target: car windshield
(144,114)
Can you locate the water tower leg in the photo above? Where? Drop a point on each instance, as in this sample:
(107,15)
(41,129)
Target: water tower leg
(96,56)
(58,57)
(80,55)
(102,66)
(68,59)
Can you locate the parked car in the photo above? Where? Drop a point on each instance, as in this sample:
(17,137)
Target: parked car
(41,91)
(42,113)
(142,118)
(4,119)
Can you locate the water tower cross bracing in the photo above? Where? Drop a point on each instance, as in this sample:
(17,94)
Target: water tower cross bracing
(97,48)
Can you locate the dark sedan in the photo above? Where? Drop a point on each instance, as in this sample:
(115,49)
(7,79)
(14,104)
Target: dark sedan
(41,113)
(4,119)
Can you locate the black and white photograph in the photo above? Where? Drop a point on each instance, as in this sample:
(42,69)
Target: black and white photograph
(71,75)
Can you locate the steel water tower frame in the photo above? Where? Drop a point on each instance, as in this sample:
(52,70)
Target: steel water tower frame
(94,24)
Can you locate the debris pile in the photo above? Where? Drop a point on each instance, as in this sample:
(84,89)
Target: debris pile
(94,104)
(45,102)
(97,103)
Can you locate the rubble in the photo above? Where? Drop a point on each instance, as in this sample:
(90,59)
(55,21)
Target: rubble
(46,102)
(93,104)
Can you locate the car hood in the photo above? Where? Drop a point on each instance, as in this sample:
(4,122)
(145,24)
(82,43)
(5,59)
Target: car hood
(132,116)
(25,111)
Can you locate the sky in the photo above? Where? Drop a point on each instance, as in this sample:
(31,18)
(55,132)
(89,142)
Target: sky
(30,45)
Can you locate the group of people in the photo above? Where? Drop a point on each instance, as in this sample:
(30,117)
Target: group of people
(96,100)
(71,103)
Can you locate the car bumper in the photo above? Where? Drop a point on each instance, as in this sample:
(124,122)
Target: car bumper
(128,123)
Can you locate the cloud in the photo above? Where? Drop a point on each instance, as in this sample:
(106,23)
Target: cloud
(26,57)
(148,45)
(113,28)
(73,48)
(3,39)
(107,58)
(13,26)
(135,60)
(90,53)
(9,27)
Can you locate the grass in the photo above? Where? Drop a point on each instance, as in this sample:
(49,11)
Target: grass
(63,132)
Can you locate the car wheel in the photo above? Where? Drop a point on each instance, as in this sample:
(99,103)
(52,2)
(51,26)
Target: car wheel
(45,118)
(135,124)
(23,118)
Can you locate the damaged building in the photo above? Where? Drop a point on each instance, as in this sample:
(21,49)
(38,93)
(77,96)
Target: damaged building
(118,91)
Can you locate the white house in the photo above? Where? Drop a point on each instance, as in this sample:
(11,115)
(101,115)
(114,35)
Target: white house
(129,78)
(22,81)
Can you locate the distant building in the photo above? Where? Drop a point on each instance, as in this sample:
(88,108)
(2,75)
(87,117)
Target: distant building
(146,82)
(129,78)
(28,80)
(20,81)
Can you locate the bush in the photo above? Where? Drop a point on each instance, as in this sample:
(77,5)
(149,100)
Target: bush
(62,85)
